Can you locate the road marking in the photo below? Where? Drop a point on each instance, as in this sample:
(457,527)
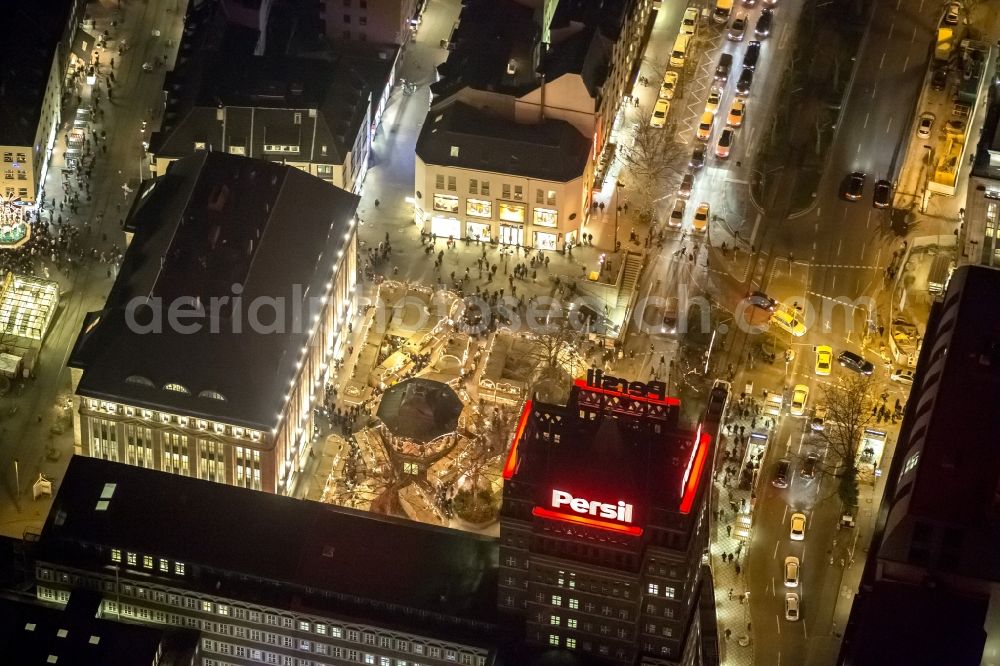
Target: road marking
(738,182)
(777,621)
(804,632)
(891,28)
(840,246)
(784,514)
(774,587)
(897,4)
(914,38)
(882,61)
(874,89)
(906,63)
(753,234)
(866,119)
(775,556)
(750,140)
(834,285)
(859,147)
(817,211)
(864,244)
(887,127)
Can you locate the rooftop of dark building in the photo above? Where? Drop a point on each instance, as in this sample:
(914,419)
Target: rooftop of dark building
(462,136)
(212,222)
(274,550)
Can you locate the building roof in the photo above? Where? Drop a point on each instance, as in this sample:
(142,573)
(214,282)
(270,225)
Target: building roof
(212,222)
(489,35)
(551,150)
(318,105)
(945,509)
(901,624)
(989,139)
(642,460)
(32,634)
(420,409)
(586,52)
(301,554)
(32,32)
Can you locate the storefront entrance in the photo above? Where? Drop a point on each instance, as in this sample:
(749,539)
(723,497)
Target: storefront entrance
(478,231)
(446,227)
(511,234)
(545,240)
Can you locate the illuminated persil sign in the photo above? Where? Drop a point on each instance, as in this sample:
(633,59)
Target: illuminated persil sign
(621,512)
(597,379)
(589,513)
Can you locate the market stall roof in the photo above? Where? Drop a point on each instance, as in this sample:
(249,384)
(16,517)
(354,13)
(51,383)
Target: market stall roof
(420,409)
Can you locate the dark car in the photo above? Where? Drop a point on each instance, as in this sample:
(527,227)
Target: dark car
(883,194)
(939,79)
(723,68)
(759,299)
(809,466)
(855,362)
(764,23)
(697,157)
(780,479)
(854,186)
(752,55)
(744,83)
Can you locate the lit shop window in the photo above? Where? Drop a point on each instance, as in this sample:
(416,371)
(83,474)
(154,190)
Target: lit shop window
(512,212)
(446,203)
(479,207)
(545,217)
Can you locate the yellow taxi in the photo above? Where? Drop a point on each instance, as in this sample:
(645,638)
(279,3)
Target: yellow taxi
(824,360)
(700,222)
(736,113)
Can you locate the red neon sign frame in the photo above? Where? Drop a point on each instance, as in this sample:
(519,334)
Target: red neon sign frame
(510,466)
(695,467)
(582,383)
(586,521)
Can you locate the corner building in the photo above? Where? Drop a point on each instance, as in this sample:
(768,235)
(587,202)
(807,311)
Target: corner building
(604,525)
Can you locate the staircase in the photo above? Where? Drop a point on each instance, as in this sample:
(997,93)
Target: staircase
(630,277)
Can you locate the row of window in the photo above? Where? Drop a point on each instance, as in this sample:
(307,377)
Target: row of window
(174,419)
(20,174)
(10,158)
(482,187)
(21,192)
(162,565)
(351,656)
(508,212)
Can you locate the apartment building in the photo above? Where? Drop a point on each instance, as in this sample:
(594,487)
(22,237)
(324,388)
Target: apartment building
(222,326)
(314,115)
(487,178)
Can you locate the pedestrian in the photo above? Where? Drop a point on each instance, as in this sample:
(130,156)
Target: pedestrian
(729,530)
(729,632)
(738,568)
(741,600)
(376,204)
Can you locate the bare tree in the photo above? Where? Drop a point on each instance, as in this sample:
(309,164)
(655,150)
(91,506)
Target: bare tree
(653,159)
(554,358)
(850,406)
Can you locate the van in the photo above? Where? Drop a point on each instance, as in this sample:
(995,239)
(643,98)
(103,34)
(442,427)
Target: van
(788,320)
(705,126)
(723,8)
(679,52)
(724,67)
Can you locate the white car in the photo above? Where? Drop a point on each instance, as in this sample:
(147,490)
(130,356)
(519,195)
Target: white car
(800,394)
(669,85)
(902,376)
(690,21)
(798,527)
(676,219)
(712,105)
(792,607)
(926,123)
(791,571)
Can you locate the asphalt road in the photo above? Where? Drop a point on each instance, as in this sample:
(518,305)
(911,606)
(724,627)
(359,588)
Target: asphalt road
(841,249)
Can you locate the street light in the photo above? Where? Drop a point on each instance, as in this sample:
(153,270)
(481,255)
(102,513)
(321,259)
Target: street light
(618,187)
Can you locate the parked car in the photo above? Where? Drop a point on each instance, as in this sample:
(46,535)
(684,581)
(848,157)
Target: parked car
(737,110)
(724,67)
(744,82)
(902,376)
(824,360)
(854,186)
(939,79)
(760,300)
(659,118)
(800,395)
(855,362)
(687,184)
(738,28)
(951,13)
(764,23)
(791,571)
(925,125)
(809,466)
(818,421)
(690,21)
(752,55)
(797,528)
(705,124)
(714,98)
(700,221)
(669,85)
(676,219)
(792,607)
(697,160)
(883,194)
(725,143)
(781,473)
